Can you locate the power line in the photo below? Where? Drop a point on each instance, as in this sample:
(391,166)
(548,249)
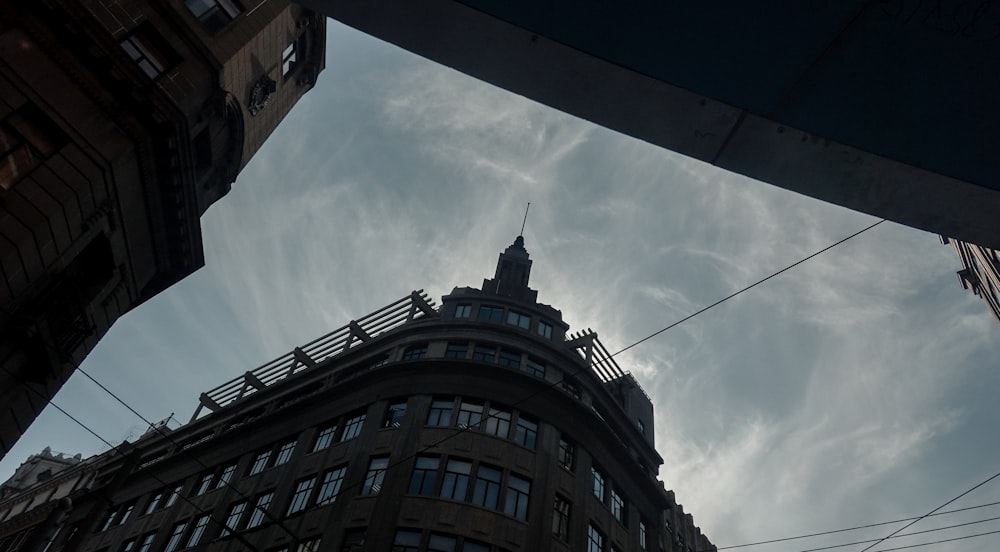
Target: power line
(939,542)
(753,285)
(903,535)
(855,528)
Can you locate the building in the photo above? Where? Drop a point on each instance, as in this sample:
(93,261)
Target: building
(479,425)
(121,122)
(849,102)
(980,272)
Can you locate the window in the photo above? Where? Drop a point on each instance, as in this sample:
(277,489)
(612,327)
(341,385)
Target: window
(332,482)
(484,353)
(469,415)
(406,541)
(108,520)
(128,546)
(534,367)
(617,506)
(560,519)
(424,475)
(173,495)
(126,513)
(595,539)
(526,433)
(204,484)
(487,488)
(597,483)
(153,503)
(27,137)
(311,545)
(440,413)
(214,14)
(325,438)
(394,414)
(642,536)
(473,546)
(259,512)
(490,314)
(352,428)
(498,423)
(175,536)
(147,541)
(441,543)
(288,60)
(567,451)
(260,462)
(375,476)
(510,359)
(300,500)
(640,426)
(456,350)
(414,352)
(198,531)
(463,311)
(147,50)
(234,516)
(518,319)
(226,476)
(544,330)
(284,453)
(516,502)
(455,483)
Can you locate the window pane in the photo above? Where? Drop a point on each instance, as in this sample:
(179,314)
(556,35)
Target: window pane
(259,512)
(260,462)
(440,413)
(352,428)
(469,415)
(375,476)
(455,483)
(199,528)
(325,438)
(284,453)
(394,414)
(424,475)
(487,490)
(300,500)
(526,433)
(498,423)
(332,482)
(516,501)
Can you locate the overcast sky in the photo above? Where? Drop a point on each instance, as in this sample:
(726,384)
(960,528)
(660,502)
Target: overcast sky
(856,388)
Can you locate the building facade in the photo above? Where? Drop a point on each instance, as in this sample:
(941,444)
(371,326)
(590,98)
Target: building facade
(121,122)
(480,425)
(980,272)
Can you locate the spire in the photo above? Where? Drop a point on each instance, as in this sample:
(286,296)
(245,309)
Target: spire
(511,276)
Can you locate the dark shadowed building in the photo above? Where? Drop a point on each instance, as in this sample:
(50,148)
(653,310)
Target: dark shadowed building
(480,425)
(121,122)
(980,272)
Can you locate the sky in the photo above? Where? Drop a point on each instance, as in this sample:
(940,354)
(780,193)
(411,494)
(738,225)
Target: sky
(854,389)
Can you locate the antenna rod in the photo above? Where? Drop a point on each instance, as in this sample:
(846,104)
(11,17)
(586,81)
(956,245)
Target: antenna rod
(525,221)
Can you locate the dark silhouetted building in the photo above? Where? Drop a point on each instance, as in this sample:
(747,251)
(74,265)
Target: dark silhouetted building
(480,425)
(980,272)
(121,122)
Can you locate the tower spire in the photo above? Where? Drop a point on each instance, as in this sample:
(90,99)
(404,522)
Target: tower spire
(512,273)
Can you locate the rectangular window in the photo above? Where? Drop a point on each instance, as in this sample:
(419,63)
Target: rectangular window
(126,513)
(498,423)
(463,311)
(484,353)
(325,438)
(456,350)
(526,433)
(424,475)
(440,413)
(173,495)
(375,476)
(214,14)
(175,537)
(147,542)
(595,539)
(472,546)
(642,536)
(455,483)
(352,427)
(259,513)
(284,453)
(332,482)
(394,414)
(153,503)
(441,543)
(288,60)
(489,313)
(518,319)
(617,506)
(108,520)
(534,367)
(204,484)
(128,546)
(469,415)
(260,462)
(510,359)
(300,500)
(516,502)
(226,476)
(597,483)
(640,426)
(567,451)
(560,519)
(406,541)
(145,55)
(414,352)
(311,545)
(233,517)
(544,330)
(198,531)
(486,491)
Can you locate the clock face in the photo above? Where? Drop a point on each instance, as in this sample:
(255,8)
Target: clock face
(261,94)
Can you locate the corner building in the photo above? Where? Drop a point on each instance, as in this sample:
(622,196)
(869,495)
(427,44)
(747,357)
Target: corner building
(480,425)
